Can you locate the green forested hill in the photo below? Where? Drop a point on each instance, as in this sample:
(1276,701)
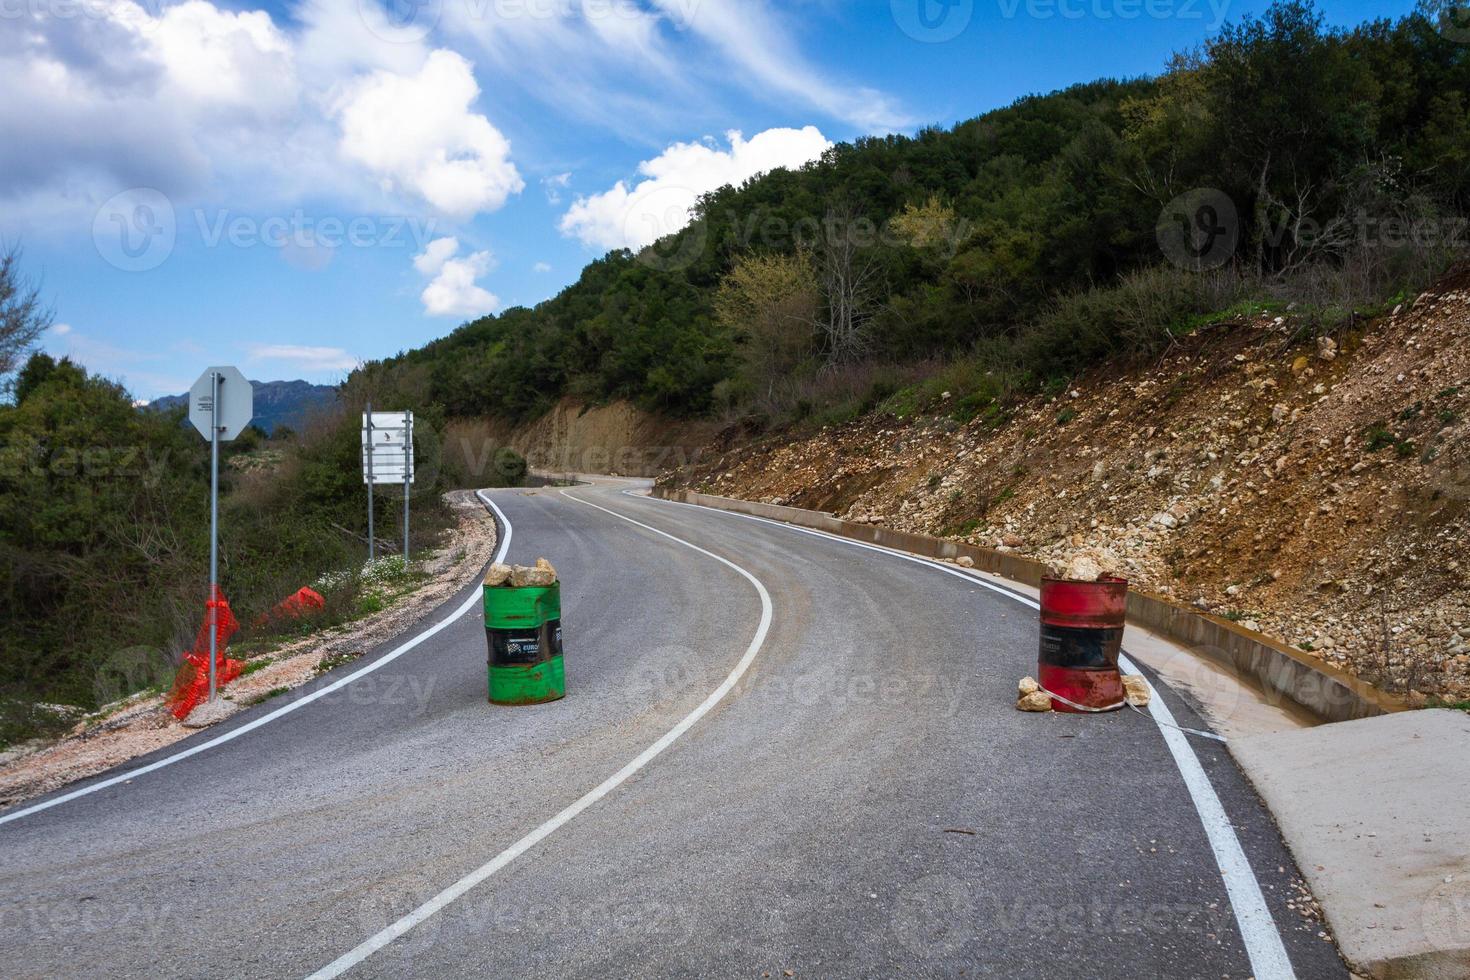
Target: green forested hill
(1281,160)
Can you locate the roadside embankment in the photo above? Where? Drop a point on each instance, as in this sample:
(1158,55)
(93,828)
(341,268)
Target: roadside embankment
(141,724)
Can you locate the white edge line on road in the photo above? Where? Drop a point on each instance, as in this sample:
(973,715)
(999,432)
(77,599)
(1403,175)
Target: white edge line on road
(370,946)
(501,547)
(1262,939)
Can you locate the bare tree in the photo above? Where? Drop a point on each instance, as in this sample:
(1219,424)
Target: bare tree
(849,276)
(23,317)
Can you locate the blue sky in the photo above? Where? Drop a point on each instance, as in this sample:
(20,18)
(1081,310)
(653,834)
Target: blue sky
(303,185)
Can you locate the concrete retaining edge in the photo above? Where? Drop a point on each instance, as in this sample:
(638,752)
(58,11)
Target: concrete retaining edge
(1283,674)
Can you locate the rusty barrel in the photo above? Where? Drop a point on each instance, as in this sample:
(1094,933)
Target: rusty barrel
(523,630)
(1081,634)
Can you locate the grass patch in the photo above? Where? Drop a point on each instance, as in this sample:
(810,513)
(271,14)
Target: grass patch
(964,527)
(1461,705)
(333,661)
(256,665)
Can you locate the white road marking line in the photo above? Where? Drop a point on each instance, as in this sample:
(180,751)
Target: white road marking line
(370,946)
(1258,931)
(285,709)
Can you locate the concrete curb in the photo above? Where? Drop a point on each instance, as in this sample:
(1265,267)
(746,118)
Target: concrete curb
(1283,674)
(1373,812)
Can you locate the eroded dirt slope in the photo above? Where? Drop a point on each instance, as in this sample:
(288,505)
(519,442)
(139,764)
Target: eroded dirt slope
(1316,491)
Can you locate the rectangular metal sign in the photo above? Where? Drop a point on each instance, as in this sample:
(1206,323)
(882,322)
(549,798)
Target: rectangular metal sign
(387,447)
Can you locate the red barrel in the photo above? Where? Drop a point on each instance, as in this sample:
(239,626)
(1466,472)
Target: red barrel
(1081,634)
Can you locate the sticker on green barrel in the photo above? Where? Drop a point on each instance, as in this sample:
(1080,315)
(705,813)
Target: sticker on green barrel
(528,684)
(523,608)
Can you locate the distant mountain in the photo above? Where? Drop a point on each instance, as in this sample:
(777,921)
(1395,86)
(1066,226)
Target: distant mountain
(287,403)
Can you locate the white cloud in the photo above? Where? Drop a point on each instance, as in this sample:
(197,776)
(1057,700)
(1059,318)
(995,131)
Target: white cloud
(453,291)
(633,66)
(61,329)
(541,267)
(632,217)
(755,40)
(210,105)
(435,254)
(417,133)
(304,358)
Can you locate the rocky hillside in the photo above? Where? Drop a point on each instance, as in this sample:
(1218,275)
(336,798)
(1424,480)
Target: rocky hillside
(1315,490)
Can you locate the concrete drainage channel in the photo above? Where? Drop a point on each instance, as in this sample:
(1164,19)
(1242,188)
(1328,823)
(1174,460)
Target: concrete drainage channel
(1367,794)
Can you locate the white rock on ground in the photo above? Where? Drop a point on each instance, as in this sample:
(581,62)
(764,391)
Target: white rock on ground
(1136,690)
(210,712)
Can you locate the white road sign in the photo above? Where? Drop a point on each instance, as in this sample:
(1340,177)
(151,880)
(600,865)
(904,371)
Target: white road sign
(236,402)
(391,440)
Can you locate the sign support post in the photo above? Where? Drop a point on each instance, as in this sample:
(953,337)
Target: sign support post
(214,385)
(407,477)
(368,415)
(221,404)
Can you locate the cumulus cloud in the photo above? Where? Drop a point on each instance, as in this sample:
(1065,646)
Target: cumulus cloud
(435,254)
(418,133)
(207,104)
(541,267)
(453,290)
(661,203)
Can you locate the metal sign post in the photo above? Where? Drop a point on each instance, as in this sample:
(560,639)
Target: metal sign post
(367,437)
(407,479)
(221,404)
(213,526)
(387,458)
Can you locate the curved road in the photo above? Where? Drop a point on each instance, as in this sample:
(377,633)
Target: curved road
(779,752)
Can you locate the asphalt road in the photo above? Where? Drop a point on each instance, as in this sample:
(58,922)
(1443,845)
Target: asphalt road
(841,788)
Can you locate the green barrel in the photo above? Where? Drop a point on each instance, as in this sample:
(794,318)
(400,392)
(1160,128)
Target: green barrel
(523,627)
